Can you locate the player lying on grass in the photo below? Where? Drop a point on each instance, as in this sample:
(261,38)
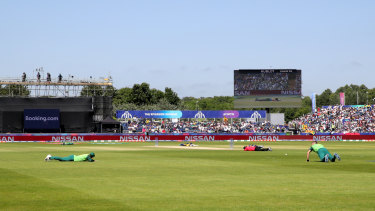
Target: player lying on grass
(189,145)
(84,157)
(322,152)
(256,148)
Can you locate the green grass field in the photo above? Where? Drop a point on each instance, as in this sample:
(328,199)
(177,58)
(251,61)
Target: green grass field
(139,176)
(250,101)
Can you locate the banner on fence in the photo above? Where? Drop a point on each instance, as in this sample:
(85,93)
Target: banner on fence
(342,98)
(121,114)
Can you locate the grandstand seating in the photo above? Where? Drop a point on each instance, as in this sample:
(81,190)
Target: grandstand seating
(337,119)
(328,119)
(213,126)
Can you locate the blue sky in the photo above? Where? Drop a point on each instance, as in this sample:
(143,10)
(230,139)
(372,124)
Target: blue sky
(191,46)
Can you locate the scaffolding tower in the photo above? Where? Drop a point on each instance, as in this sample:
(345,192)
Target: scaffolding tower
(54,87)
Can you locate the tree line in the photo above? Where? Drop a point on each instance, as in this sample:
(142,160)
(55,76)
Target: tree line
(14,90)
(142,97)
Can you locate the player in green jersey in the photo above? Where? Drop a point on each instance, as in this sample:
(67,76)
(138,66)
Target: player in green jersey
(322,152)
(84,157)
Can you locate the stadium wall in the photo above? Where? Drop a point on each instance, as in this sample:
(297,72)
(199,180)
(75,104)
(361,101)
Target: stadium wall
(179,137)
(76,114)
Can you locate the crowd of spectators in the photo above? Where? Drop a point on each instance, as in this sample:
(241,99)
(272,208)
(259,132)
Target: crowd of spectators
(332,119)
(337,119)
(205,126)
(262,81)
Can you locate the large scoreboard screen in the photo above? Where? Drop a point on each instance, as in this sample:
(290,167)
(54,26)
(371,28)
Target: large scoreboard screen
(267,88)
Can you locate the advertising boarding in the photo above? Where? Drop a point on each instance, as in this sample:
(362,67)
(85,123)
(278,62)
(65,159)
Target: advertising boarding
(204,114)
(37,119)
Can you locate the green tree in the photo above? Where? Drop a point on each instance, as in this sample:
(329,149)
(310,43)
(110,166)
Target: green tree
(306,102)
(354,94)
(171,96)
(204,104)
(109,91)
(125,106)
(222,103)
(334,99)
(189,103)
(122,96)
(370,96)
(290,113)
(208,103)
(164,104)
(141,94)
(324,98)
(14,90)
(141,97)
(156,96)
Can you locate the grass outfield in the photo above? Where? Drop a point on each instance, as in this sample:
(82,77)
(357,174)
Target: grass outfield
(139,176)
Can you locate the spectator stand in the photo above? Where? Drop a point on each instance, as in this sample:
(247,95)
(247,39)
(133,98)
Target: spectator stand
(197,122)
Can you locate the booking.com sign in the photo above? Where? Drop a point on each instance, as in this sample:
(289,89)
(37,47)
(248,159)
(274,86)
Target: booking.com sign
(41,118)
